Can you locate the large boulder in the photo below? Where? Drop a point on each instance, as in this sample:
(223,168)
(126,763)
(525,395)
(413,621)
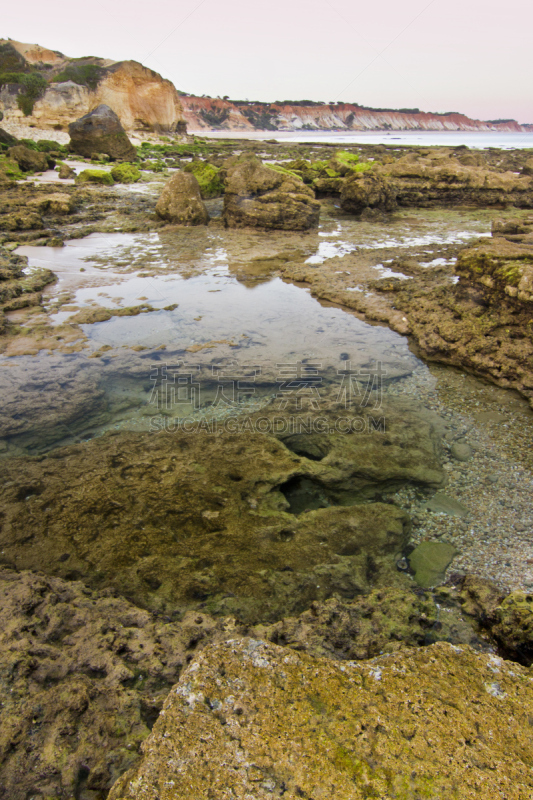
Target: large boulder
(367,190)
(180,201)
(101,131)
(28,160)
(262,197)
(253,720)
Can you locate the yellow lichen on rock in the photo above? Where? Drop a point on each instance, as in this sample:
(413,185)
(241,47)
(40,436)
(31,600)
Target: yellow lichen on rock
(250,719)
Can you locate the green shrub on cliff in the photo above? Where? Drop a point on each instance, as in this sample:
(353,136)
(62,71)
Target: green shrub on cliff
(208,178)
(82,74)
(95,176)
(34,87)
(126,173)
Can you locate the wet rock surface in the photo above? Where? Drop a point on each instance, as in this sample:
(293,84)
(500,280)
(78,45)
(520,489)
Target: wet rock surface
(440,178)
(100,131)
(306,538)
(383,621)
(258,196)
(181,202)
(83,677)
(184,522)
(441,719)
(18,289)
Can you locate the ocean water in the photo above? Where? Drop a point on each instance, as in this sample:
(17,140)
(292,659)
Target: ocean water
(476,140)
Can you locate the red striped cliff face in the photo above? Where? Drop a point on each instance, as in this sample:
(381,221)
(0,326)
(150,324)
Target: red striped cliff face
(203,113)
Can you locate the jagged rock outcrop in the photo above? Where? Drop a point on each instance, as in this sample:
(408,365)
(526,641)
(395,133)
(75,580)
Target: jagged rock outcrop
(250,719)
(100,131)
(6,138)
(181,202)
(365,190)
(18,290)
(257,196)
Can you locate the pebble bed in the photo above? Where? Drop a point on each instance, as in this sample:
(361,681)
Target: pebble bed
(487,458)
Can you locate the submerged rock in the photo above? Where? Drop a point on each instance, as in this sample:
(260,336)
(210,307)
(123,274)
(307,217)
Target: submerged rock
(254,720)
(100,131)
(239,524)
(430,560)
(384,621)
(180,201)
(258,196)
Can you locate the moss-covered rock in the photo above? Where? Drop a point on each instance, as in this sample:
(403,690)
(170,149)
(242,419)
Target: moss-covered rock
(259,197)
(126,173)
(95,176)
(28,160)
(9,169)
(513,628)
(83,675)
(208,177)
(250,719)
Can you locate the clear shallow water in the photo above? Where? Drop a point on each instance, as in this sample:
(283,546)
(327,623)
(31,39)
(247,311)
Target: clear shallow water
(216,304)
(476,140)
(233,313)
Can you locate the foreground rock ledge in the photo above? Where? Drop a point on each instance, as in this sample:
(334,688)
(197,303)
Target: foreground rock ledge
(253,720)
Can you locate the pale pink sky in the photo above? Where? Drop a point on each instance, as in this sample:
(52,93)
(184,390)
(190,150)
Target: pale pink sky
(473,56)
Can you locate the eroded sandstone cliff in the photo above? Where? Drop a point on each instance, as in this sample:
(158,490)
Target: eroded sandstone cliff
(141,98)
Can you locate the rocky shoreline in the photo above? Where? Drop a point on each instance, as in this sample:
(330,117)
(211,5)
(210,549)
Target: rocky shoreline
(112,594)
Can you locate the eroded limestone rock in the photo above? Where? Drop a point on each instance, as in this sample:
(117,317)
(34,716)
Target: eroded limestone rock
(258,721)
(257,196)
(181,202)
(365,190)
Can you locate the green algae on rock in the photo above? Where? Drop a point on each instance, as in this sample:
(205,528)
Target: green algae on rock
(383,621)
(208,177)
(126,173)
(98,176)
(254,720)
